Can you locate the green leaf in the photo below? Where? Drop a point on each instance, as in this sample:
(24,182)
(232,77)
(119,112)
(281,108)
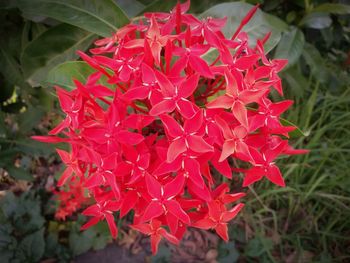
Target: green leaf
(30,118)
(63,74)
(315,62)
(258,246)
(80,242)
(32,247)
(102,17)
(6,88)
(339,9)
(158,6)
(257,28)
(32,147)
(296,81)
(228,252)
(130,7)
(10,68)
(53,47)
(297,132)
(19,173)
(291,46)
(316,20)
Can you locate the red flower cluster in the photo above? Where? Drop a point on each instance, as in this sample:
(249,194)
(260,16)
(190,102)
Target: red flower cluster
(150,139)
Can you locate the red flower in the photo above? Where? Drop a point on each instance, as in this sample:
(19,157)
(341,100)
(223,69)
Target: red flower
(155,126)
(156,232)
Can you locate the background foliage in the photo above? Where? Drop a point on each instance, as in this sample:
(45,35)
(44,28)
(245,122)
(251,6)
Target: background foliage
(306,221)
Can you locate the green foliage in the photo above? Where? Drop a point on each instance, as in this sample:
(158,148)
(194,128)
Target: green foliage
(22,229)
(257,27)
(54,46)
(102,17)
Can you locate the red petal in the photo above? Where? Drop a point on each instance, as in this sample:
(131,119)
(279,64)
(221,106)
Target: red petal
(154,187)
(228,148)
(175,149)
(199,65)
(240,112)
(204,224)
(172,126)
(136,93)
(130,138)
(65,176)
(175,208)
(275,176)
(193,169)
(164,83)
(188,86)
(153,210)
(93,221)
(164,106)
(174,187)
(111,179)
(111,224)
(186,108)
(195,123)
(253,175)
(143,228)
(198,144)
(129,202)
(155,239)
(169,237)
(221,230)
(222,102)
(232,213)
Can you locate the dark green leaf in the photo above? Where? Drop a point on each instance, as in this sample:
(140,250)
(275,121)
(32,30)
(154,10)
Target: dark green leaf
(9,67)
(297,132)
(63,74)
(316,20)
(19,173)
(339,9)
(30,118)
(130,7)
(6,88)
(228,252)
(32,247)
(80,241)
(53,47)
(315,62)
(32,147)
(291,46)
(296,81)
(102,17)
(159,6)
(257,246)
(257,27)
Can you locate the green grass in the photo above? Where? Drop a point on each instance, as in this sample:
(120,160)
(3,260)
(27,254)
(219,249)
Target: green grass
(311,216)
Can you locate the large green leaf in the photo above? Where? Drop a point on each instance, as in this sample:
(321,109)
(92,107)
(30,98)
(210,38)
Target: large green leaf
(102,17)
(257,28)
(9,67)
(53,47)
(316,20)
(63,74)
(32,247)
(159,6)
(339,9)
(130,7)
(19,173)
(291,46)
(316,63)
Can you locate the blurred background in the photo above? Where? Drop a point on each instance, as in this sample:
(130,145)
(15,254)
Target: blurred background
(307,221)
